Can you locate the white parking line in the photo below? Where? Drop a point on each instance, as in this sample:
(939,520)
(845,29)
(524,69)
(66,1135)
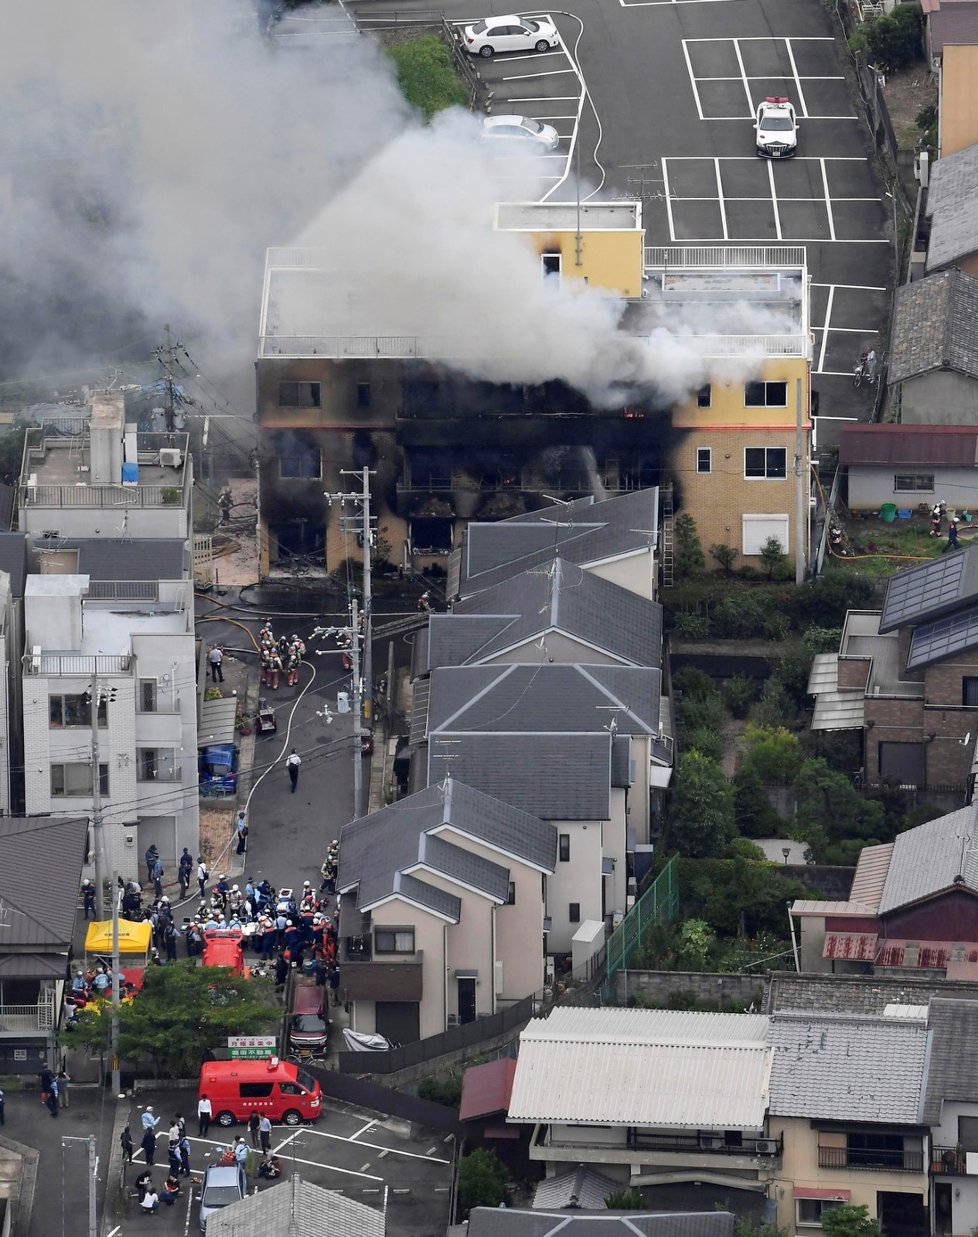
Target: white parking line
(802,108)
(652,4)
(692,80)
(735,197)
(554,51)
(743,75)
(774,198)
(411,1155)
(828,200)
(768,77)
(363,1129)
(668,197)
(763,38)
(546,98)
(723,209)
(522,77)
(825,328)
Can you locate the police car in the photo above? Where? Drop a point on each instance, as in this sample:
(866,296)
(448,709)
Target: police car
(777,128)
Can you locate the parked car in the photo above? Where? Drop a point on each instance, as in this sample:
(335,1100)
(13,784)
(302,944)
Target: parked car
(529,135)
(510,34)
(777,128)
(224,1184)
(282,1090)
(308,1021)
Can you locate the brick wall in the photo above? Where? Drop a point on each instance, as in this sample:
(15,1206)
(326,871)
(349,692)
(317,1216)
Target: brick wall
(853,672)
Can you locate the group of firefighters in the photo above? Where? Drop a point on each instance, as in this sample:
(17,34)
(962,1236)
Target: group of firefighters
(281,656)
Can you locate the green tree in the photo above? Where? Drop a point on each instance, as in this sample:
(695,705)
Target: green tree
(775,707)
(738,695)
(773,556)
(426,76)
(700,820)
(687,557)
(755,816)
(725,556)
(817,639)
(893,41)
(625,1200)
(481,1181)
(695,940)
(830,810)
(182,1013)
(849,1221)
(773,753)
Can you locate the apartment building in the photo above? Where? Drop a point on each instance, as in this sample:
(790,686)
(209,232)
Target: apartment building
(126,650)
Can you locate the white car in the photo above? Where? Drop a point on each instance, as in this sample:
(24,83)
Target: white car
(777,128)
(524,132)
(510,34)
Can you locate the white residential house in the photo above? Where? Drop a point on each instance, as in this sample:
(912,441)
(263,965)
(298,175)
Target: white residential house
(133,644)
(442,913)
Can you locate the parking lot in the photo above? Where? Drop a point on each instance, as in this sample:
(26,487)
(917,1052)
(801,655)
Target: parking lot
(380,1161)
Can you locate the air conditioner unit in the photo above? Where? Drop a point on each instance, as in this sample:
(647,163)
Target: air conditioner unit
(170,457)
(36,659)
(767,1146)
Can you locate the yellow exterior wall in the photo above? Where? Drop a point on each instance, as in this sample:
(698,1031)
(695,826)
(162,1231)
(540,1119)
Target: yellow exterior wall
(718,500)
(800,1168)
(611,260)
(959,98)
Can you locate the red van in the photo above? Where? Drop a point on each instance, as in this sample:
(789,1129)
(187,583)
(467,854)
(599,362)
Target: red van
(222,948)
(236,1089)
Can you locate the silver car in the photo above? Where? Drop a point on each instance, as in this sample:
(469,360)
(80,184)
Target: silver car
(525,133)
(224,1184)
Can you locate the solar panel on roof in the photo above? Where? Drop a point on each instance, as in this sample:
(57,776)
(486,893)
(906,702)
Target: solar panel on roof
(913,594)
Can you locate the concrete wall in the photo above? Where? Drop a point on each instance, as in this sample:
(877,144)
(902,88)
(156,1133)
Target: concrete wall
(707,988)
(872,485)
(578,880)
(637,573)
(939,398)
(429,936)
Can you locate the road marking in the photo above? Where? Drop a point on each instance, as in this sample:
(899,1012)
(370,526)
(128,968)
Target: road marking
(363,1129)
(522,77)
(794,69)
(769,77)
(577,123)
(692,80)
(764,38)
(285,1142)
(431,1151)
(412,1155)
(349,1172)
(665,190)
(774,198)
(364,1167)
(383,1153)
(743,75)
(828,200)
(723,209)
(553,51)
(825,328)
(546,98)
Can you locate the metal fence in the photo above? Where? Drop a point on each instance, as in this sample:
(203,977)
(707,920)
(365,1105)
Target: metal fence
(658,904)
(724,256)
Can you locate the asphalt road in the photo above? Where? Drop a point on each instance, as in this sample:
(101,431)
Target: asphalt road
(667,91)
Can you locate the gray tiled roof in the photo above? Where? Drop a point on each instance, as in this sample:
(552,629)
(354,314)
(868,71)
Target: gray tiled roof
(932,590)
(600,530)
(511,1222)
(582,1186)
(379,852)
(953,1071)
(41,924)
(298,1208)
(528,698)
(950,204)
(558,596)
(553,776)
(931,858)
(839,1067)
(935,326)
(105,559)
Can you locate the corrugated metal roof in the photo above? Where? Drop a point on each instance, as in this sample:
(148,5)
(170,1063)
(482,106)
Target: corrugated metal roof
(839,711)
(896,1010)
(817,906)
(930,858)
(217,721)
(824,674)
(486,1089)
(870,877)
(643,1067)
(948,446)
(850,946)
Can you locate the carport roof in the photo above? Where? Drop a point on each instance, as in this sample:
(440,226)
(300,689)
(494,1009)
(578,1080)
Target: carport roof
(299,1208)
(947,446)
(935,326)
(950,205)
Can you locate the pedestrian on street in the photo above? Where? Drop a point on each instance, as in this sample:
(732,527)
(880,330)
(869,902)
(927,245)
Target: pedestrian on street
(216,657)
(173,1155)
(254,1121)
(952,538)
(292,764)
(241,1152)
(143,1182)
(125,1139)
(183,874)
(52,1098)
(63,1079)
(88,898)
(151,856)
(205,1113)
(241,828)
(202,874)
(158,878)
(149,1122)
(185,1156)
(170,942)
(265,1133)
(281,973)
(148,1144)
(150,1200)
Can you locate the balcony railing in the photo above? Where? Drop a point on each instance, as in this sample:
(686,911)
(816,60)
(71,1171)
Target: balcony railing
(57,665)
(873,1160)
(948,1161)
(356,949)
(705,1144)
(102,496)
(23,1019)
(725,257)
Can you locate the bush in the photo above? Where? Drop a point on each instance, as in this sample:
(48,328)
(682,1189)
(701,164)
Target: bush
(773,556)
(738,695)
(706,741)
(694,683)
(691,626)
(447,1091)
(825,601)
(625,1200)
(755,816)
(774,754)
(481,1181)
(426,76)
(775,707)
(688,557)
(725,555)
(744,848)
(817,639)
(742,616)
(893,41)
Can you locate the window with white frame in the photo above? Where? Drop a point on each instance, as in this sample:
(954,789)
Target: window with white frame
(704,459)
(757,529)
(394,940)
(809,1211)
(765,463)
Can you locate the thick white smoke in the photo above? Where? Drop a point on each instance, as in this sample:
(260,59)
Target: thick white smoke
(155,149)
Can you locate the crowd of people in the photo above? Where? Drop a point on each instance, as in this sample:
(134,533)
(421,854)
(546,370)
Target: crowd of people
(279,656)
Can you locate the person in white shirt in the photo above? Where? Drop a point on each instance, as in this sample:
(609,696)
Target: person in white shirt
(292,764)
(151,1200)
(205,1113)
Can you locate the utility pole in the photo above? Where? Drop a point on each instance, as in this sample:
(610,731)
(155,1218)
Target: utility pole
(166,354)
(801,506)
(116,996)
(353,634)
(93,706)
(92,1177)
(362,499)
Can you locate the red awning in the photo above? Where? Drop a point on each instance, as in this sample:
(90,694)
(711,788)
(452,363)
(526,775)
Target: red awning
(804,1191)
(486,1089)
(851,946)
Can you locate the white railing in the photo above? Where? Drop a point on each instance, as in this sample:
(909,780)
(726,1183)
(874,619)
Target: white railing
(18,1019)
(352,346)
(57,665)
(745,345)
(724,256)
